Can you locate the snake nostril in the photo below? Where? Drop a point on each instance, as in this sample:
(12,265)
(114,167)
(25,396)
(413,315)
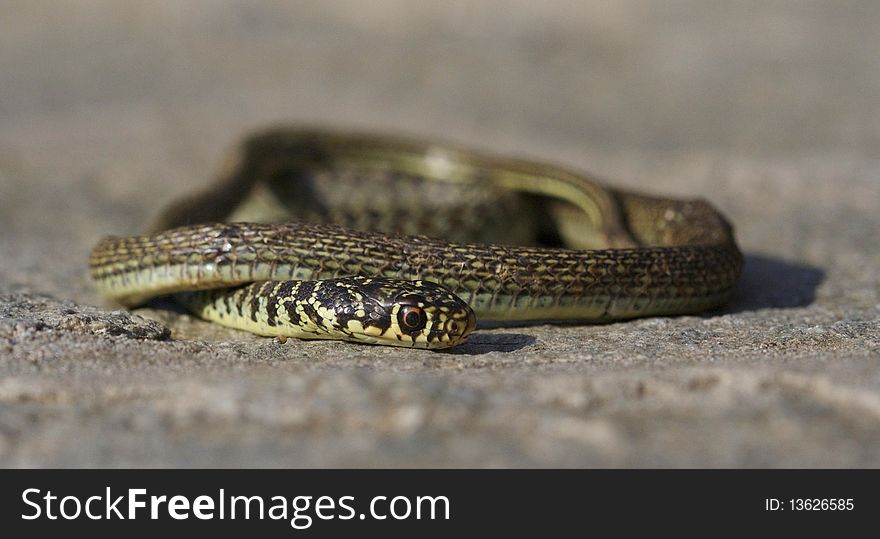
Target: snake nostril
(459,328)
(455,328)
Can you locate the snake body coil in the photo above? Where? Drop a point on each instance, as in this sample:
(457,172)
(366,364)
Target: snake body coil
(658,256)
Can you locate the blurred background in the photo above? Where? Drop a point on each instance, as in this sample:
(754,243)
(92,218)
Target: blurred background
(770,109)
(747,76)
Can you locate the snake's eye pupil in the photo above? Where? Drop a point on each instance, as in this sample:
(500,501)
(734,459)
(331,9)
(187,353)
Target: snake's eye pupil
(412,318)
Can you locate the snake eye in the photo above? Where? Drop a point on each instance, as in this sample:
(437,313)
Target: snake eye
(412,318)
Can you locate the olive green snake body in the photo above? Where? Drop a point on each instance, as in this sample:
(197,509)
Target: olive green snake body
(638,255)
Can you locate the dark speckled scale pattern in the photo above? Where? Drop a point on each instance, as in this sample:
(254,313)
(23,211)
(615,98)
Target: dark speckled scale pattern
(655,280)
(328,307)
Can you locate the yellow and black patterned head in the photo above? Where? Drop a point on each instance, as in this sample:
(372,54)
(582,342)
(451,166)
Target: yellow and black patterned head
(418,314)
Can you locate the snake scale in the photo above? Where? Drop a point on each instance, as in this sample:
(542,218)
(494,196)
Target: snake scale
(637,255)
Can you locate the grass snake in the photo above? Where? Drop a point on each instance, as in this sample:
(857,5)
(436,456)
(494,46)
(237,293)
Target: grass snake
(232,254)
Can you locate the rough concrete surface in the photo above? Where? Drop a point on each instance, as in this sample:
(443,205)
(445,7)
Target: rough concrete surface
(769,109)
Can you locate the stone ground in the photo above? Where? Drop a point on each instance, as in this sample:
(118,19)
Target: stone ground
(769,109)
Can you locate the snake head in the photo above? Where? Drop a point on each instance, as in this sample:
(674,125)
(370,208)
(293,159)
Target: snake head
(417,314)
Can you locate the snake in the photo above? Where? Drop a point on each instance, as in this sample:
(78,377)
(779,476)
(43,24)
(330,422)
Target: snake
(248,251)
